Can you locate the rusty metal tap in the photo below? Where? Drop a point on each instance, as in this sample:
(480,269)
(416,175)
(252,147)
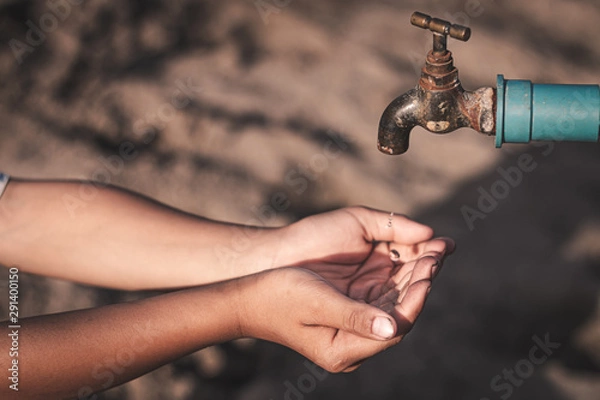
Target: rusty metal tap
(438,103)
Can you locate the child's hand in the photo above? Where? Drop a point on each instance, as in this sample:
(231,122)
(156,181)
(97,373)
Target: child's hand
(358,252)
(299,309)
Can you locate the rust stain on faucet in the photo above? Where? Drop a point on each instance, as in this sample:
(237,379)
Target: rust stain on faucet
(478,107)
(439,103)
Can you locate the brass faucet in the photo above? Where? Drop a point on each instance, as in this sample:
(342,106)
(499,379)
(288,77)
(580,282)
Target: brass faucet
(438,103)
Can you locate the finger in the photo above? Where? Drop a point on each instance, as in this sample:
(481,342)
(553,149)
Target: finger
(358,318)
(387,301)
(425,267)
(442,245)
(439,249)
(408,231)
(411,260)
(383,226)
(424,270)
(407,311)
(450,245)
(348,349)
(400,276)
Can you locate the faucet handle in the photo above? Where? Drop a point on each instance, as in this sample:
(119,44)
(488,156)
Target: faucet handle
(440,26)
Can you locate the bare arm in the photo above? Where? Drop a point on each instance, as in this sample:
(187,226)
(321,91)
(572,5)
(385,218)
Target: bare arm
(75,354)
(113,238)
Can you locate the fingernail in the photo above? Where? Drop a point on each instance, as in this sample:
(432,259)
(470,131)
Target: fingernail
(383,328)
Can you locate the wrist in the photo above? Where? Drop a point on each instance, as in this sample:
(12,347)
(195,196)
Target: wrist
(243,288)
(219,305)
(281,250)
(252,298)
(258,250)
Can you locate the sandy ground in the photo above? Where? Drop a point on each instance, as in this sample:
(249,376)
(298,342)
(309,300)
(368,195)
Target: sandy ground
(264,93)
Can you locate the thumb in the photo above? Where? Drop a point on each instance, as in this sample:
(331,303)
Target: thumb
(358,318)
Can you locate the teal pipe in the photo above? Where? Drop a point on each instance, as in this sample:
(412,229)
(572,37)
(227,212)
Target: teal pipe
(534,112)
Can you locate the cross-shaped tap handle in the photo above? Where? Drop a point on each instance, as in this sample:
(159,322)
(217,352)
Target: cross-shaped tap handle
(441,29)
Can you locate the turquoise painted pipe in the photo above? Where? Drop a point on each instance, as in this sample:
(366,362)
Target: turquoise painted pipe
(537,112)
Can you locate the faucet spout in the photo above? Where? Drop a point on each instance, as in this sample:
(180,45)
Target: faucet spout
(399,118)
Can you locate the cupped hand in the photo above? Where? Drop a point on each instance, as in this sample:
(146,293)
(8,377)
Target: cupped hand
(362,252)
(301,310)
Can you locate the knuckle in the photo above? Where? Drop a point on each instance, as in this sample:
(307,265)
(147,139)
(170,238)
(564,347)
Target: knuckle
(351,321)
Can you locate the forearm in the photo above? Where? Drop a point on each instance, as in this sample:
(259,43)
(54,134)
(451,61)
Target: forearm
(74,354)
(48,228)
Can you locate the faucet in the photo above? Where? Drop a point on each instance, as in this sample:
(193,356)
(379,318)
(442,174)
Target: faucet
(516,111)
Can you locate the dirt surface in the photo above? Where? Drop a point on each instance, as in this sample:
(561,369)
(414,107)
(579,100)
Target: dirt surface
(264,95)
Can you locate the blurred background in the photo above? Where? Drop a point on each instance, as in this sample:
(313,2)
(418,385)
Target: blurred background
(228,102)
